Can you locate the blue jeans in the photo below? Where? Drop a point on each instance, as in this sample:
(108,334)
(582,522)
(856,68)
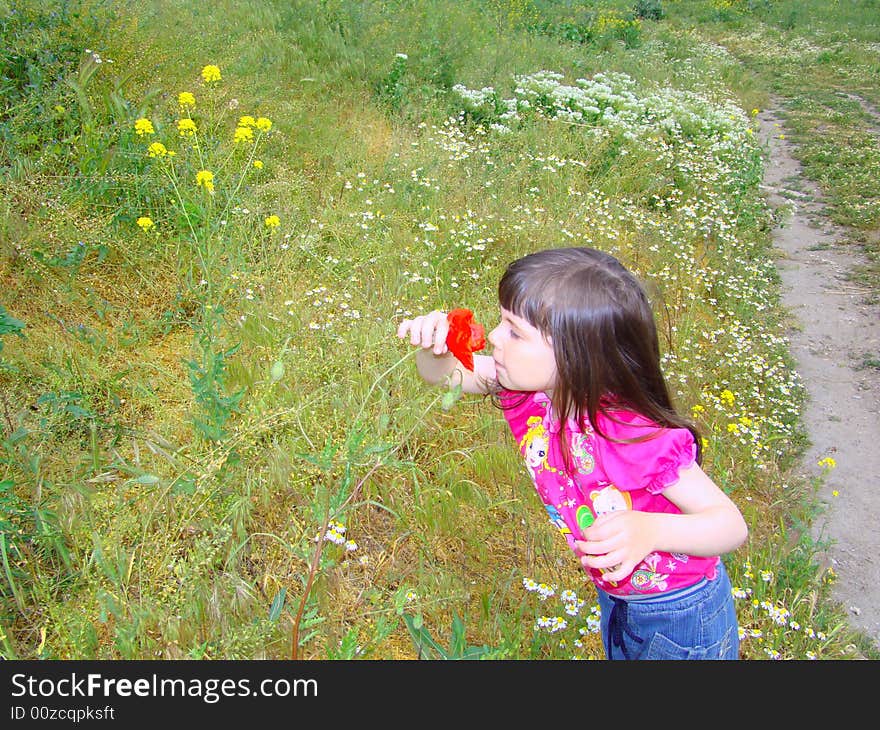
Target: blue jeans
(689,624)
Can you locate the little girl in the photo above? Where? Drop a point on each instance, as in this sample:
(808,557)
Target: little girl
(575,367)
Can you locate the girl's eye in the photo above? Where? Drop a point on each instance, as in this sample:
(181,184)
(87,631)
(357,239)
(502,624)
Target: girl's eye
(514,335)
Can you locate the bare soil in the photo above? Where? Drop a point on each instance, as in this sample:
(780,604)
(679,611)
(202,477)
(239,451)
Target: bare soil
(835,340)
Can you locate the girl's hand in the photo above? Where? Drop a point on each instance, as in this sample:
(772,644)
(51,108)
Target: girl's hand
(434,361)
(427,331)
(618,541)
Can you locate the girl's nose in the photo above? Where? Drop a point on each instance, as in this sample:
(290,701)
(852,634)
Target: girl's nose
(493,335)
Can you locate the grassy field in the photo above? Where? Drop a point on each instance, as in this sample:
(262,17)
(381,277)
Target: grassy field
(212,218)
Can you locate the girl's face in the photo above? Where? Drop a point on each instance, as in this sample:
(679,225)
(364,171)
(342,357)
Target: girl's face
(523,357)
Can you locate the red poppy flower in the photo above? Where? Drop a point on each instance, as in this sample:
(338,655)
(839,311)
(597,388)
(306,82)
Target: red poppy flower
(465,336)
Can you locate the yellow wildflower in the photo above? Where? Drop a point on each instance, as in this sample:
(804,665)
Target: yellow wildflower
(827,463)
(157,149)
(144,126)
(247,121)
(754,112)
(186,99)
(727,397)
(211,73)
(186,127)
(263,124)
(733,428)
(243,134)
(258,164)
(145,223)
(205,178)
(273,221)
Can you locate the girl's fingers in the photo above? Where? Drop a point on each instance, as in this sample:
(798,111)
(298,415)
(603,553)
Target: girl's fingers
(440,336)
(609,560)
(427,331)
(619,573)
(415,331)
(594,547)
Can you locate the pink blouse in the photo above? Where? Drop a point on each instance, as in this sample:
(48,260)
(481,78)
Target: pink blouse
(608,476)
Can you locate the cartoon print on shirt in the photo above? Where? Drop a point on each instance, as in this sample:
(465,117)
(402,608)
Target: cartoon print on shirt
(606,500)
(584,517)
(556,519)
(647,579)
(580,453)
(610,499)
(535,446)
(578,500)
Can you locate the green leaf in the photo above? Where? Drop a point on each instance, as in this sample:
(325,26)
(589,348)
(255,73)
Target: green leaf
(458,642)
(277,371)
(16,436)
(9,324)
(147,479)
(277,605)
(422,639)
(184,485)
(451,397)
(78,412)
(378,448)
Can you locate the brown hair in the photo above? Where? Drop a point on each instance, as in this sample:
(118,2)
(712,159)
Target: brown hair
(597,317)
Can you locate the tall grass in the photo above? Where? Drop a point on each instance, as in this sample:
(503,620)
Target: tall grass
(213,444)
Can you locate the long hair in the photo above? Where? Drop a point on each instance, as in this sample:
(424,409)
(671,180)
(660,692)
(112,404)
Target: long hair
(597,316)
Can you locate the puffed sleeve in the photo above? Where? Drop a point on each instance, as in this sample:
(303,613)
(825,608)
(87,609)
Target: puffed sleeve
(652,463)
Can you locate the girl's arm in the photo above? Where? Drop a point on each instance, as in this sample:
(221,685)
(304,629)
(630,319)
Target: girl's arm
(709,524)
(434,361)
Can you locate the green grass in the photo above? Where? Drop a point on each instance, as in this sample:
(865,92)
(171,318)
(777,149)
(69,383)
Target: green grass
(190,405)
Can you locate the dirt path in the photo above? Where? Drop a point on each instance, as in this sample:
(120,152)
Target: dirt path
(834,332)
